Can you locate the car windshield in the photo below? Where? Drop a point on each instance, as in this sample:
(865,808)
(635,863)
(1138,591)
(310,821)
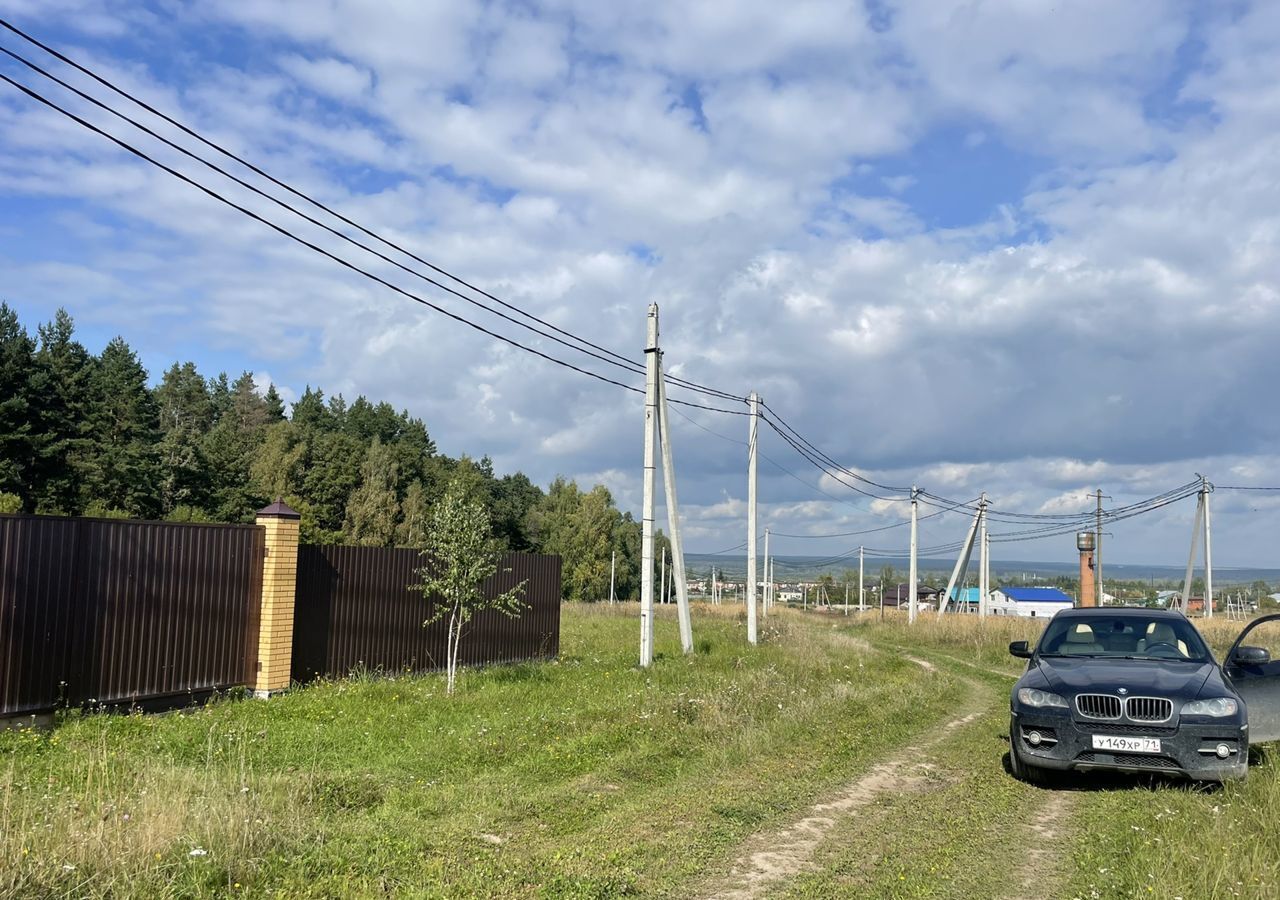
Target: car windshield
(1131,637)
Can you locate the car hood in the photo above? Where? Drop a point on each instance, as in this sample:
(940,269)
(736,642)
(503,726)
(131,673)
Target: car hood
(1162,678)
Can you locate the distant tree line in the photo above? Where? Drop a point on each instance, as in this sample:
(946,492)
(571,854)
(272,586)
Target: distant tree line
(85,434)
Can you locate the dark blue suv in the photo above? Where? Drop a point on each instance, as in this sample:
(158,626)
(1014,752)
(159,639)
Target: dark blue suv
(1138,690)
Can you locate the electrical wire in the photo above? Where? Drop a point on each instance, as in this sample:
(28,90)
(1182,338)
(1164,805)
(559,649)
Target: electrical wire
(625,361)
(1054,524)
(335,258)
(625,364)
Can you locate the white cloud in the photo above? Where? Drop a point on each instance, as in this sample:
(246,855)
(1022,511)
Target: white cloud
(581,161)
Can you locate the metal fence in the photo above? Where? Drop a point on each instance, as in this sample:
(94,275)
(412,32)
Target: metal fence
(123,611)
(356,608)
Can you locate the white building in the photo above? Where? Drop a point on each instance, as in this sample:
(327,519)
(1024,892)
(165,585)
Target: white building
(1033,602)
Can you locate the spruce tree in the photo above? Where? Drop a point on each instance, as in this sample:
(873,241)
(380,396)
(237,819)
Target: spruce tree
(124,424)
(275,405)
(185,412)
(63,463)
(19,423)
(332,475)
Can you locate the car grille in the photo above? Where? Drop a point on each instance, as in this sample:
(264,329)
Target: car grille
(1149,709)
(1098,706)
(1136,760)
(1108,707)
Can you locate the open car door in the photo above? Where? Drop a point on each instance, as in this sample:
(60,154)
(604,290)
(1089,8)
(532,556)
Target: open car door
(1253,668)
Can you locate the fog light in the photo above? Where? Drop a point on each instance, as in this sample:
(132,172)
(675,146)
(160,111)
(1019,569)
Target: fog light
(1223,751)
(1033,738)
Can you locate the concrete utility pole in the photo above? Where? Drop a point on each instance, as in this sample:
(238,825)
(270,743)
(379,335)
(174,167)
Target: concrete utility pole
(962,561)
(984,601)
(984,559)
(911,597)
(673,518)
(765,605)
(750,594)
(862,598)
(1097,549)
(646,527)
(1197,527)
(1208,551)
(613,568)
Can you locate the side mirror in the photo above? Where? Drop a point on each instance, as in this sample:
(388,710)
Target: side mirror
(1021,650)
(1251,656)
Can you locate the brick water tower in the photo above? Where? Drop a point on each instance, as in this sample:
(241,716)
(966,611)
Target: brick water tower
(1085,544)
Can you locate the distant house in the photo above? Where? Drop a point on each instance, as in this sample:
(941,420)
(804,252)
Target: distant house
(900,595)
(966,599)
(1031,602)
(1195,606)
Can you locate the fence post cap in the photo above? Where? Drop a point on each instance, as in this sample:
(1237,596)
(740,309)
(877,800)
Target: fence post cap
(278,510)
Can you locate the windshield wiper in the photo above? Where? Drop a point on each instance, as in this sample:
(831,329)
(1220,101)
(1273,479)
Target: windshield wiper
(1074,655)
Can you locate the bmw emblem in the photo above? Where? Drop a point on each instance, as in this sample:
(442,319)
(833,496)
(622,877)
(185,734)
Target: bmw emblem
(1124,690)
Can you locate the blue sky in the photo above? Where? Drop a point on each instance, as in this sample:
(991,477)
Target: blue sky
(1005,245)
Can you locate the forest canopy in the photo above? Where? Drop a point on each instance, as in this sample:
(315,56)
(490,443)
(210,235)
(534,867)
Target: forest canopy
(86,434)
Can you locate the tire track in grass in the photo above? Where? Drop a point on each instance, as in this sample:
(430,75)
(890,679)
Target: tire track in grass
(773,857)
(1042,848)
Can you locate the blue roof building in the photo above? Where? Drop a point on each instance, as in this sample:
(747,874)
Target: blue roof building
(1032,602)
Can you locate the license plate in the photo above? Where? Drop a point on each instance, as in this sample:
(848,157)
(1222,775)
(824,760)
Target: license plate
(1126,744)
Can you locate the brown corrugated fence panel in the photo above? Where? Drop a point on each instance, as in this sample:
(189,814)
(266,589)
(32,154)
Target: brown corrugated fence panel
(116,610)
(356,608)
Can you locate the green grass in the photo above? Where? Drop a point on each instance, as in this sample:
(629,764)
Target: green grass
(581,778)
(1127,836)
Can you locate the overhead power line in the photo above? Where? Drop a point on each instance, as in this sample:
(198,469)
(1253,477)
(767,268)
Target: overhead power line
(617,359)
(1050,524)
(334,257)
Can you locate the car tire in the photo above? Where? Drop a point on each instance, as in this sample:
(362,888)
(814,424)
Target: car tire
(1023,771)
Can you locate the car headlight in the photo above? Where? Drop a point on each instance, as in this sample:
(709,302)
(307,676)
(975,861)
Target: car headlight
(1217,707)
(1033,697)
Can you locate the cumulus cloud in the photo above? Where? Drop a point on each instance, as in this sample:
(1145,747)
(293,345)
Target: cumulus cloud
(1107,319)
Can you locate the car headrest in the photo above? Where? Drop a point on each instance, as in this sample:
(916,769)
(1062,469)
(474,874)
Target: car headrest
(1080,634)
(1162,633)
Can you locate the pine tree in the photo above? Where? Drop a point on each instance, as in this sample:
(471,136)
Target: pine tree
(123,427)
(247,406)
(371,512)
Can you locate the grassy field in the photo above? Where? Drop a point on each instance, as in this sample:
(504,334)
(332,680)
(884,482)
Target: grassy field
(581,778)
(590,778)
(1124,836)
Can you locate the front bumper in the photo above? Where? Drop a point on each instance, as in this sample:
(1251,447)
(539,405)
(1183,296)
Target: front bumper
(1186,748)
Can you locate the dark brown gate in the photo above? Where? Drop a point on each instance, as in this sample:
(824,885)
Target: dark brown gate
(110,611)
(356,609)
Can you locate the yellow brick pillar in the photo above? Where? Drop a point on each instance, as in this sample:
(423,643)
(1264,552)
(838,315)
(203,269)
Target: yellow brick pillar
(279,582)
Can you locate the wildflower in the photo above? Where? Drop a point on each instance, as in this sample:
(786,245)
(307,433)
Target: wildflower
(198,851)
